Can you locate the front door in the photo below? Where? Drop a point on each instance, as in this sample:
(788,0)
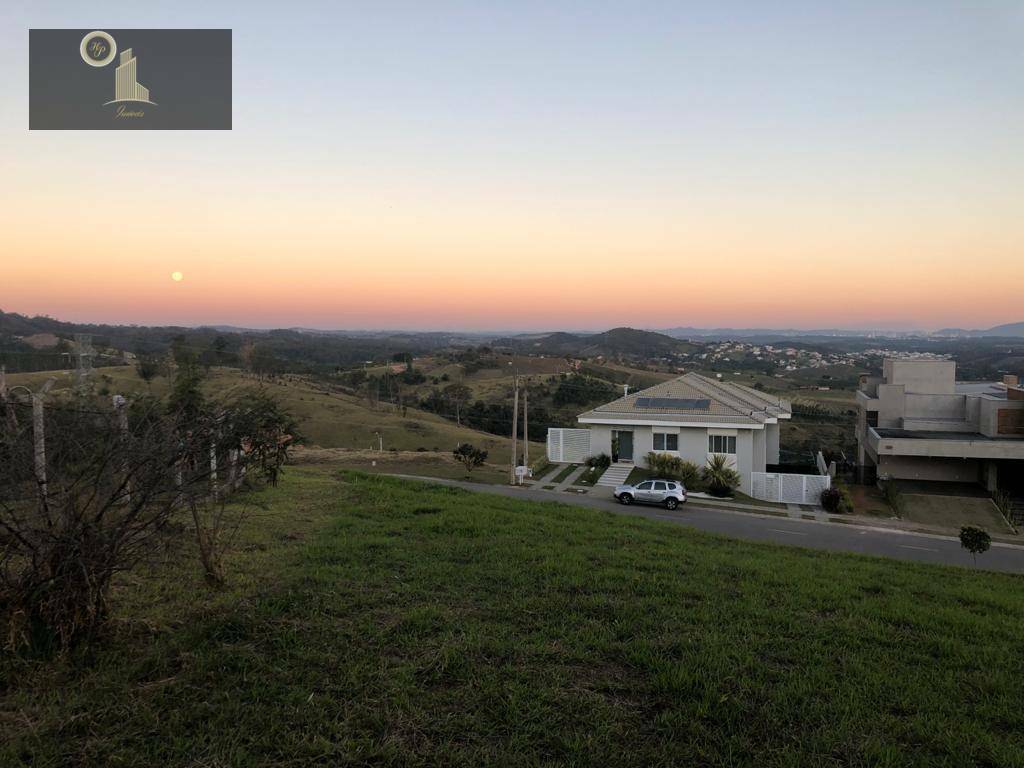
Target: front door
(625,446)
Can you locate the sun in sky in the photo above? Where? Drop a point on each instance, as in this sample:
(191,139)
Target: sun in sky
(177,277)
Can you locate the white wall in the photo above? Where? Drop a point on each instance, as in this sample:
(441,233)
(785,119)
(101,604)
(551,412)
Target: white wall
(693,445)
(760,450)
(771,436)
(643,443)
(600,439)
(745,458)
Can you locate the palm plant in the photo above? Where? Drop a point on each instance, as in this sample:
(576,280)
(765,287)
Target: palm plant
(719,476)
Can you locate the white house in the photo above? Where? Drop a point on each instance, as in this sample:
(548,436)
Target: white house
(692,417)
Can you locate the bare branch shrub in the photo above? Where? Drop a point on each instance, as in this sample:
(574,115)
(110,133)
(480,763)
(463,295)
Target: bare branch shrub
(110,487)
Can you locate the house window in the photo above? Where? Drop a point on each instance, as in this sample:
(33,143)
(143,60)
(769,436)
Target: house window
(666,441)
(872,418)
(722,444)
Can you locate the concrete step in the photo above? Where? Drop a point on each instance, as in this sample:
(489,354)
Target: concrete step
(616,474)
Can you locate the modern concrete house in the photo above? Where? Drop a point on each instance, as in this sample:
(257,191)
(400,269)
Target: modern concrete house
(692,417)
(917,422)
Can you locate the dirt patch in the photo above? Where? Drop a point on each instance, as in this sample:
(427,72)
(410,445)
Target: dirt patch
(868,500)
(953,512)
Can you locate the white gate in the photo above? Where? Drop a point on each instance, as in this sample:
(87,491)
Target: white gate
(568,445)
(788,489)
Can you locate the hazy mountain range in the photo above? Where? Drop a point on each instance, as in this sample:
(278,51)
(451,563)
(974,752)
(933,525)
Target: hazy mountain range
(1007,329)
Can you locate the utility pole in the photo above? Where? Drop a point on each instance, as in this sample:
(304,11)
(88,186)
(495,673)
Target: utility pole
(83,354)
(515,430)
(526,424)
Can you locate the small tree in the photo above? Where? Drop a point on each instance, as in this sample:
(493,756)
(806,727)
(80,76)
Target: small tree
(246,440)
(148,368)
(187,401)
(470,457)
(457,395)
(975,540)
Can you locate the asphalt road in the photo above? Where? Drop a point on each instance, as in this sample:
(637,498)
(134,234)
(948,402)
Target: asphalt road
(880,542)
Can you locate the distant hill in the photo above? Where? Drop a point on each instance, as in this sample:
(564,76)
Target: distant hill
(295,350)
(617,342)
(1005,330)
(770,334)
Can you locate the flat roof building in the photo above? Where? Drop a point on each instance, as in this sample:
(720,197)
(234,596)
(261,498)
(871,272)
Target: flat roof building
(917,422)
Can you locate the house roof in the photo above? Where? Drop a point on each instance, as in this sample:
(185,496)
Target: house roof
(693,398)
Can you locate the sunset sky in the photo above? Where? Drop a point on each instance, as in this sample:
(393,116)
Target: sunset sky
(540,165)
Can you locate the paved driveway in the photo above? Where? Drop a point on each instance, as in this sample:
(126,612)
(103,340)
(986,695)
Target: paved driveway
(881,542)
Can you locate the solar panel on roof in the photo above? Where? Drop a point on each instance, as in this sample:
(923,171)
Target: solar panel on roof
(680,403)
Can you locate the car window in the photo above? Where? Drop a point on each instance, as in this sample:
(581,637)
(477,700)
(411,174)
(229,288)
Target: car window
(645,486)
(659,486)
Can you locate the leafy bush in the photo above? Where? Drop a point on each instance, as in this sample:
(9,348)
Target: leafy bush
(674,468)
(719,476)
(601,461)
(837,499)
(975,540)
(470,457)
(830,498)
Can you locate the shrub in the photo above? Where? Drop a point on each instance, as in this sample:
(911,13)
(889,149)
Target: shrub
(830,498)
(719,476)
(470,456)
(601,461)
(837,499)
(674,468)
(893,497)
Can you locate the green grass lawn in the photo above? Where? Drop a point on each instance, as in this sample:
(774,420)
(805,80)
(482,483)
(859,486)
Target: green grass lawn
(564,474)
(372,621)
(590,476)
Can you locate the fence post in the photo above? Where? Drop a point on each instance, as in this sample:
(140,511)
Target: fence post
(120,403)
(213,468)
(39,438)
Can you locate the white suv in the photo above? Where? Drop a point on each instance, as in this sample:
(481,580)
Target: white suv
(669,493)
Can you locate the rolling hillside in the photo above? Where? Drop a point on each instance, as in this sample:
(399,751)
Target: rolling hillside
(328,419)
(628,343)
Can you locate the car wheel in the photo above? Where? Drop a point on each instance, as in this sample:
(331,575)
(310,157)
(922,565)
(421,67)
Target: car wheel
(671,503)
(625,499)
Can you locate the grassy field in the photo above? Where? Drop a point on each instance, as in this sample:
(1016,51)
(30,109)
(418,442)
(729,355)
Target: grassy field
(370,621)
(327,419)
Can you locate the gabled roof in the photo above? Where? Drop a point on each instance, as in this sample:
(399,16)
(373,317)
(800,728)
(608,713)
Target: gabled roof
(696,399)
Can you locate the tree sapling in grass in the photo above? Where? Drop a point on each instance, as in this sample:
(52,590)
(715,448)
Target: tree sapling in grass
(975,540)
(470,457)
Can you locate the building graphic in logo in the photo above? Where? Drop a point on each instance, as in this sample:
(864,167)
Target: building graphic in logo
(126,87)
(98,49)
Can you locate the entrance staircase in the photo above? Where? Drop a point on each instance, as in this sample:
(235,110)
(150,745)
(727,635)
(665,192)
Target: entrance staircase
(616,474)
